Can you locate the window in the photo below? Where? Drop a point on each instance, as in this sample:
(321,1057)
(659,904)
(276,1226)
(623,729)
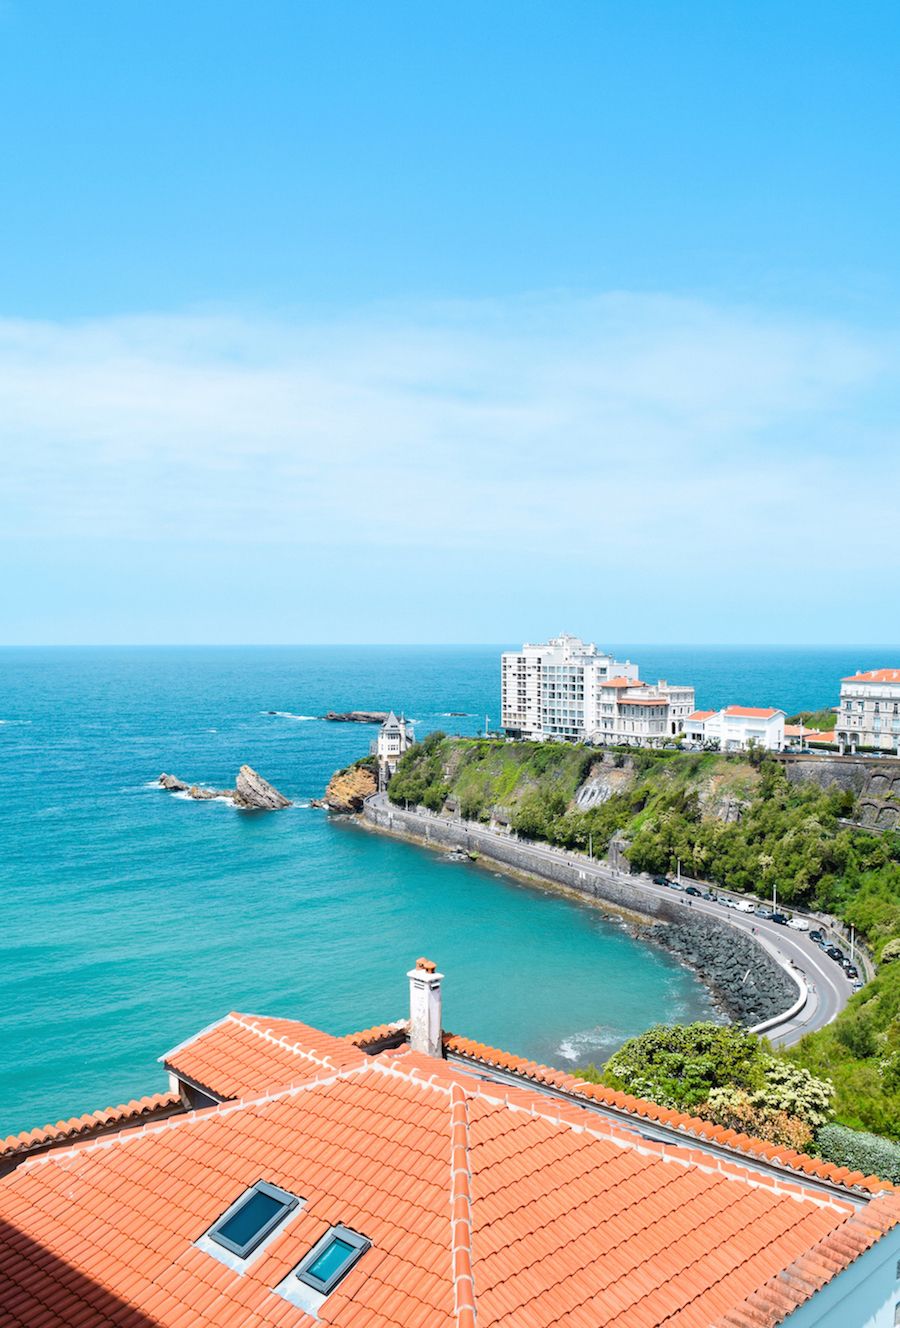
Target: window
(331,1258)
(251,1218)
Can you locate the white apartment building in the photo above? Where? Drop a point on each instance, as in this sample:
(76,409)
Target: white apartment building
(869,713)
(548,690)
(566,690)
(735,728)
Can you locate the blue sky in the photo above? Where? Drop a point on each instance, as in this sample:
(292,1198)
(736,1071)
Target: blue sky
(403,322)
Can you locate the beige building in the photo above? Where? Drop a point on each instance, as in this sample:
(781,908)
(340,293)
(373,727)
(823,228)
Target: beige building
(869,713)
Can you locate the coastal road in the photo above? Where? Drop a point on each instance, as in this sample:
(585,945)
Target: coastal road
(827,987)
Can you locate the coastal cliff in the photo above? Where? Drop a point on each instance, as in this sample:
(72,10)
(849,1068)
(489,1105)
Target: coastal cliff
(348,789)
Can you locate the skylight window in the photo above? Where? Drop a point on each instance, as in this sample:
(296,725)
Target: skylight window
(331,1258)
(251,1218)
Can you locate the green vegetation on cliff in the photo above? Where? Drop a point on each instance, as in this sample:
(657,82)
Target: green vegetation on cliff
(737,822)
(819,720)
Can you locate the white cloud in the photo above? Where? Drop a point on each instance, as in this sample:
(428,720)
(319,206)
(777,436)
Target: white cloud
(647,426)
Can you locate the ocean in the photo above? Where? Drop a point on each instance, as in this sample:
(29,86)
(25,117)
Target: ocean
(131,917)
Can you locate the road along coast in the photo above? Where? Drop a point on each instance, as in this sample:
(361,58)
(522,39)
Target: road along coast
(772,979)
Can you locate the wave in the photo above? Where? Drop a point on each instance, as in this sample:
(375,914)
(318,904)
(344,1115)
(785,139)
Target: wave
(579,1046)
(287,714)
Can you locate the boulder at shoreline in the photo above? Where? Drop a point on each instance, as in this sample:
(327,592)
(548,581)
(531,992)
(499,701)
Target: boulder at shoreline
(348,789)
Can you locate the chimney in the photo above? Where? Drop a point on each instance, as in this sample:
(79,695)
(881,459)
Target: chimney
(425,1008)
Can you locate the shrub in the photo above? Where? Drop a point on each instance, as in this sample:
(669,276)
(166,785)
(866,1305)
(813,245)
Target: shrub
(736,1109)
(891,951)
(859,1151)
(678,1066)
(794,1092)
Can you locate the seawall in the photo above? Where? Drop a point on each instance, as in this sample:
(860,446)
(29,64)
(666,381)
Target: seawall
(746,980)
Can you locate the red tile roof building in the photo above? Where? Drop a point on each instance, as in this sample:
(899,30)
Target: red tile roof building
(491,1192)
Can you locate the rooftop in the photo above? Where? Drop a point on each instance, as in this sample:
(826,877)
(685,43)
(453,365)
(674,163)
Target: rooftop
(485,1183)
(750,712)
(875,675)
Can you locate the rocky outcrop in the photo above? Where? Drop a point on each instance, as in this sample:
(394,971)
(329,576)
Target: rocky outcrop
(604,779)
(748,983)
(251,791)
(257,794)
(357,716)
(348,789)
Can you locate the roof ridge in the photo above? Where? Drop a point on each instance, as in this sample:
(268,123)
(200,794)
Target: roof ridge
(744,1146)
(241,1020)
(461,1209)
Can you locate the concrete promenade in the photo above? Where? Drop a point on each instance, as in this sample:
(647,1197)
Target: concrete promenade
(823,988)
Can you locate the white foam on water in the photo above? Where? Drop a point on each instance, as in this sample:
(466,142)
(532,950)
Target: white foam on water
(287,714)
(580,1047)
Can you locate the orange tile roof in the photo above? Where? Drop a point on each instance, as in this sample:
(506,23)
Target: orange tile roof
(623,682)
(92,1123)
(644,701)
(641,1108)
(702,714)
(751,712)
(244,1054)
(875,675)
(479,1197)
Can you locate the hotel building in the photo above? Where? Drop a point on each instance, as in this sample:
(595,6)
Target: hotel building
(567,690)
(869,713)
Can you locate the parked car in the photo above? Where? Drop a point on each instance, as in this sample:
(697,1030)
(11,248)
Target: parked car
(711,895)
(743,905)
(763,911)
(692,890)
(798,924)
(674,885)
(852,971)
(780,918)
(834,952)
(660,880)
(816,935)
(857,984)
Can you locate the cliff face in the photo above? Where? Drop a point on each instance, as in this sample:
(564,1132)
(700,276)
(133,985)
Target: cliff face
(348,789)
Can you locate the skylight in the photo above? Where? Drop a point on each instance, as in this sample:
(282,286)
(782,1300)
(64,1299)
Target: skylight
(331,1258)
(251,1218)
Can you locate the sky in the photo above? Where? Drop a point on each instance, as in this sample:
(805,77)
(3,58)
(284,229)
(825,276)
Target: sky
(454,322)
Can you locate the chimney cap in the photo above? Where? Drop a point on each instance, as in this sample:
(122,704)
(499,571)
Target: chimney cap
(426,965)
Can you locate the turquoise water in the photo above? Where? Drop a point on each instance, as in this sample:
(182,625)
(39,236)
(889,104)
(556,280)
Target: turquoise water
(131,918)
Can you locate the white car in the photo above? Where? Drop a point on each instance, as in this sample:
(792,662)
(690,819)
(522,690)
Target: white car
(798,924)
(744,906)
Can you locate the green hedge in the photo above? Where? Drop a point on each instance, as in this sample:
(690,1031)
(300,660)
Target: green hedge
(859,1151)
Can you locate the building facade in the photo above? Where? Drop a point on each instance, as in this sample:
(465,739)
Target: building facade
(869,713)
(394,738)
(737,728)
(569,691)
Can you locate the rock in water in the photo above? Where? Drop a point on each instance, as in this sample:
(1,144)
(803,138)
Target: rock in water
(172,783)
(253,792)
(357,716)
